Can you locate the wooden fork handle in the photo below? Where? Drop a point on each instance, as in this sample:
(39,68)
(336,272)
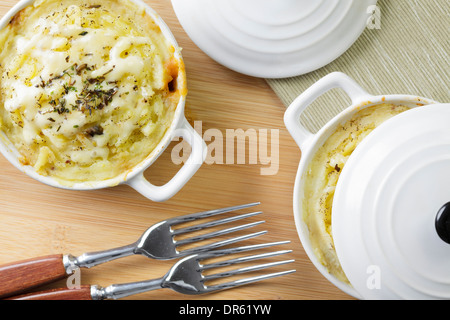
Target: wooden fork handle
(17,277)
(82,293)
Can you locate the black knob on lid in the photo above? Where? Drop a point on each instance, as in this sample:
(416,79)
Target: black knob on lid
(443,223)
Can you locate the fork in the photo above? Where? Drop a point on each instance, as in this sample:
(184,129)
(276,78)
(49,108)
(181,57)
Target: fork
(185,277)
(157,242)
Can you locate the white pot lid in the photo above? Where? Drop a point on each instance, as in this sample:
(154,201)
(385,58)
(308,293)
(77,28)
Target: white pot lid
(385,207)
(274,38)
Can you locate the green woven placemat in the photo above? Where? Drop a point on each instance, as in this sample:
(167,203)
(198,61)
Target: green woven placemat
(408,54)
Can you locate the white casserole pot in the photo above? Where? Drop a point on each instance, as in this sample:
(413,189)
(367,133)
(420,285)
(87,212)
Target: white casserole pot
(370,225)
(180,128)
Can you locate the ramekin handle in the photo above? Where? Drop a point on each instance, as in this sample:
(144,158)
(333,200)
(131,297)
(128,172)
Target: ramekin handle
(334,80)
(194,162)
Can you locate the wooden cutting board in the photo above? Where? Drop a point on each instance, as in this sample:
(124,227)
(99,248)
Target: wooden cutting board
(37,220)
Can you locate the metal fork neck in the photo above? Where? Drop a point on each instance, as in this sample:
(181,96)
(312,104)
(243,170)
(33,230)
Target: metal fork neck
(119,291)
(91,259)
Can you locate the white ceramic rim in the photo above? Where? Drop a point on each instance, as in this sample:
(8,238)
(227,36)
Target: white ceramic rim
(180,127)
(309,143)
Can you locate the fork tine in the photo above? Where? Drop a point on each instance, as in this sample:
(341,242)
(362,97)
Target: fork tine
(222,252)
(246,269)
(214,223)
(244,259)
(206,214)
(222,243)
(216,233)
(245,281)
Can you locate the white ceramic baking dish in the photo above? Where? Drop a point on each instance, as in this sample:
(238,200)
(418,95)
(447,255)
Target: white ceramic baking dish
(309,143)
(180,128)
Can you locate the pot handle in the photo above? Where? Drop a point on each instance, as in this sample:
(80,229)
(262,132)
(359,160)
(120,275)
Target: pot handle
(334,80)
(194,162)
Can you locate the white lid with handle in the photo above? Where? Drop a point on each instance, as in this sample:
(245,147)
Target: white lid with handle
(275,38)
(388,200)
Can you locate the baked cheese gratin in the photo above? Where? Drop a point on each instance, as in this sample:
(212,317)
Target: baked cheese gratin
(323,174)
(88,88)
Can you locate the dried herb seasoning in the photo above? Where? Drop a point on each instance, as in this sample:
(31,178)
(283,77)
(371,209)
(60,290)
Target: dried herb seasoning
(92,96)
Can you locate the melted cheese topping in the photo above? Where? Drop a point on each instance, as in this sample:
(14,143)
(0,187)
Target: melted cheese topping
(88,88)
(322,177)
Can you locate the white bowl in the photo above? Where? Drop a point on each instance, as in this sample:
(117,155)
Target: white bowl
(134,177)
(309,143)
(388,212)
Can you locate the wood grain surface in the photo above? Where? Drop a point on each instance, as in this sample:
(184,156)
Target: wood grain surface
(38,220)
